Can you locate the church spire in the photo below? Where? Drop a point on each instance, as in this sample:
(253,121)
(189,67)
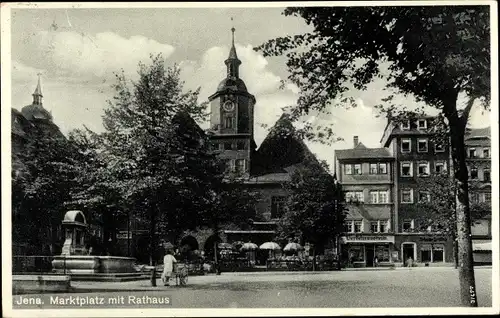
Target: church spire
(37,94)
(232,61)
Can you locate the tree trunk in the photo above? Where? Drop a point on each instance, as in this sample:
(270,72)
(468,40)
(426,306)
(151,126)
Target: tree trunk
(466,267)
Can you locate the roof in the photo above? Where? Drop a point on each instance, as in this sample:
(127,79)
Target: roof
(477,133)
(233,84)
(74,217)
(361,151)
(36,111)
(280,154)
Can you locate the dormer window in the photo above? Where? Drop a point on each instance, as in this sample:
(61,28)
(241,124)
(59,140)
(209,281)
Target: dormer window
(422,124)
(405,125)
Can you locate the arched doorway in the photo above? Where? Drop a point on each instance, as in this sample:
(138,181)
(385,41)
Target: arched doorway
(187,247)
(210,244)
(189,242)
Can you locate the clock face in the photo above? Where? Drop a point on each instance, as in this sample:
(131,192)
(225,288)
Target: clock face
(228,106)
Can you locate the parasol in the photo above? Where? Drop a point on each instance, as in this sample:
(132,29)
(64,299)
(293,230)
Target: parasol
(249,247)
(270,246)
(293,247)
(225,246)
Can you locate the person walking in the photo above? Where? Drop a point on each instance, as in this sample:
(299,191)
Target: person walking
(168,267)
(409,262)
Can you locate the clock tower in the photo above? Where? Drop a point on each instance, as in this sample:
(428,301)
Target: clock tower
(231,119)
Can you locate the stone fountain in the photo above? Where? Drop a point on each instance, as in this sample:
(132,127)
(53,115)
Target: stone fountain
(76,261)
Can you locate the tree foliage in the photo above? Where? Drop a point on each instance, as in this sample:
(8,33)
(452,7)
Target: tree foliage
(314,211)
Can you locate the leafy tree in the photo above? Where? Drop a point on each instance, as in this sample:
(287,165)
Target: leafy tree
(40,181)
(434,53)
(313,211)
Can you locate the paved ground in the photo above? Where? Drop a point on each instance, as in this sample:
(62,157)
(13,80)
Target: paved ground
(418,287)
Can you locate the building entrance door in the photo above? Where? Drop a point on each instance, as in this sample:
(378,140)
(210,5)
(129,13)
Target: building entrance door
(408,251)
(370,255)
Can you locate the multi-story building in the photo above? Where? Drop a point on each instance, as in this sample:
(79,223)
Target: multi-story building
(366,175)
(478,149)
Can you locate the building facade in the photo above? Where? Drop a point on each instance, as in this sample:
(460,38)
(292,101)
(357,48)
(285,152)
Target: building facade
(366,175)
(478,150)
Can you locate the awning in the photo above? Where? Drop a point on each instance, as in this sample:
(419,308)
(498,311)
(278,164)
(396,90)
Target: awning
(481,246)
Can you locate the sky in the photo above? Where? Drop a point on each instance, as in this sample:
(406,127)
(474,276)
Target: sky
(77,51)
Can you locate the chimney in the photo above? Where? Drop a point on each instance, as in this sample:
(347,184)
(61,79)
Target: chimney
(355,141)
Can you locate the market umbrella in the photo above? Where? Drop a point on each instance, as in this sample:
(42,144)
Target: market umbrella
(238,244)
(249,247)
(225,246)
(270,246)
(293,247)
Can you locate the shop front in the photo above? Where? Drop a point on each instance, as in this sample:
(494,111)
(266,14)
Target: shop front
(367,250)
(424,249)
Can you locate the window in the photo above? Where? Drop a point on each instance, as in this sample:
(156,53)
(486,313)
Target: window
(241,145)
(357,168)
(422,124)
(423,168)
(373,168)
(354,196)
(348,169)
(358,226)
(432,253)
(228,146)
(277,207)
(473,173)
(437,253)
(407,196)
(423,145)
(405,125)
(405,145)
(438,147)
(424,196)
(382,253)
(378,197)
(406,169)
(383,226)
(486,175)
(486,153)
(474,197)
(472,152)
(240,165)
(487,197)
(440,167)
(374,227)
(425,253)
(382,168)
(349,226)
(228,122)
(407,225)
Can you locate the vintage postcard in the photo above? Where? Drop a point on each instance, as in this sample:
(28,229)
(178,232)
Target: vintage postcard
(250,159)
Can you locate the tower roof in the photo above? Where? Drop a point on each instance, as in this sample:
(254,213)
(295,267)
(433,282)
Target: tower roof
(38,89)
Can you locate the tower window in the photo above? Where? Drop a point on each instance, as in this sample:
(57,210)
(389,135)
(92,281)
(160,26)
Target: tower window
(228,122)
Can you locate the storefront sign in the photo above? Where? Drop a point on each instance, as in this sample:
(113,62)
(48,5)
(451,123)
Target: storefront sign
(362,238)
(429,238)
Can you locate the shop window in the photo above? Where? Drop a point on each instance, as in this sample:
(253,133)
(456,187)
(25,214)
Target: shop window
(358,226)
(357,169)
(348,169)
(423,169)
(425,254)
(382,253)
(405,145)
(373,168)
(422,145)
(406,169)
(356,254)
(437,253)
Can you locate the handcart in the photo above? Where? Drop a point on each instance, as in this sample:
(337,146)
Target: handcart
(181,274)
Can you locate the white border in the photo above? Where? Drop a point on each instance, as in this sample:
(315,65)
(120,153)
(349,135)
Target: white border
(6,164)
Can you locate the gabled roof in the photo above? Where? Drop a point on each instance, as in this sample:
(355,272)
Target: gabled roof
(476,133)
(281,152)
(361,151)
